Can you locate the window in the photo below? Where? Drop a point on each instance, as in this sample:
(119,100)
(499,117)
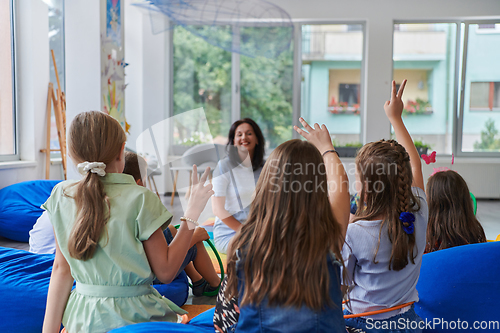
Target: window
(480,101)
(424,54)
(202,78)
(8,142)
(230,86)
(332,56)
(485,96)
(56,43)
(266,86)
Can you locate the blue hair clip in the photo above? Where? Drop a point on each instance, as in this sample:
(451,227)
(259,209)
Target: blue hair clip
(354,204)
(407,220)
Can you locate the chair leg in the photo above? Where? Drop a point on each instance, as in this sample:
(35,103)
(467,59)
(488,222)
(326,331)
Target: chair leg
(175,187)
(156,188)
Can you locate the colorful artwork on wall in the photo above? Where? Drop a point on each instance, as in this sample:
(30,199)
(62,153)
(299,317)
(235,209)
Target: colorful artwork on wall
(113,64)
(113,21)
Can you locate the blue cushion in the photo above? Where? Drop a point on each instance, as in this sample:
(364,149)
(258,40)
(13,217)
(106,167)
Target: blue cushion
(24,283)
(463,283)
(177,291)
(20,207)
(203,322)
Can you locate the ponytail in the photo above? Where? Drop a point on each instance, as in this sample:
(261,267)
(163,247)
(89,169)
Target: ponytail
(92,216)
(93,137)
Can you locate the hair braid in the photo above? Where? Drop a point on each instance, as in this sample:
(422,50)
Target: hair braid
(404,187)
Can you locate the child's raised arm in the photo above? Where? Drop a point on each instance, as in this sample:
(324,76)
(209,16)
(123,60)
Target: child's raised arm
(393,110)
(338,188)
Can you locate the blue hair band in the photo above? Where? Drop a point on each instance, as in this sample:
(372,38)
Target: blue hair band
(407,220)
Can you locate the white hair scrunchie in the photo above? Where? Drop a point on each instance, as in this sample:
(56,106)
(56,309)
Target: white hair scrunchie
(95,167)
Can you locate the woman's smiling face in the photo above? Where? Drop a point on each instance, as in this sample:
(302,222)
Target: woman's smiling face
(245,137)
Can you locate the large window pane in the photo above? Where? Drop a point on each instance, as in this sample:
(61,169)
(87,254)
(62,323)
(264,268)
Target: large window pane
(424,54)
(266,85)
(7,114)
(56,44)
(202,78)
(481,111)
(331,79)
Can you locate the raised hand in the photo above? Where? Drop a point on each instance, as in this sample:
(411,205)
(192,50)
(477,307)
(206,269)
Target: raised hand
(200,193)
(319,136)
(394,107)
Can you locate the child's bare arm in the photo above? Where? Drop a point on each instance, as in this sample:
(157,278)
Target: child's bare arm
(60,286)
(220,211)
(393,110)
(165,260)
(338,193)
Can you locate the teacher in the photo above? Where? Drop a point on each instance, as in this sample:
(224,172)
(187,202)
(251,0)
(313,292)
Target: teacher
(235,178)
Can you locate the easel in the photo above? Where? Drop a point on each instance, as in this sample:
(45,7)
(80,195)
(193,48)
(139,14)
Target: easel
(59,100)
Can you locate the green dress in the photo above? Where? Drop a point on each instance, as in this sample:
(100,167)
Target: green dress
(113,288)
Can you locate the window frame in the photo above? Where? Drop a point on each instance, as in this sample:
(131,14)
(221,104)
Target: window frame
(456,95)
(16,155)
(298,69)
(466,26)
(236,71)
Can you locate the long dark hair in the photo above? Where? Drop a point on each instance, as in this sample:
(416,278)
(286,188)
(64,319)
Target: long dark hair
(285,243)
(451,214)
(385,173)
(258,155)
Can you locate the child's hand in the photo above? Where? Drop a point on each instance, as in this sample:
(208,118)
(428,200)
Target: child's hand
(394,107)
(200,193)
(318,136)
(200,234)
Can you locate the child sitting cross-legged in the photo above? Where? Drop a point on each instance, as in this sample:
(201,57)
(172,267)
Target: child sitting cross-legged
(197,264)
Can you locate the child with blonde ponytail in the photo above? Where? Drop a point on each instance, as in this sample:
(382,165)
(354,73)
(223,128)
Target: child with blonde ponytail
(386,238)
(109,237)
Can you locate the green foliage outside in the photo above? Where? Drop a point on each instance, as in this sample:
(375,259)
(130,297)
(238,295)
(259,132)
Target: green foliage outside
(202,78)
(489,138)
(421,144)
(355,144)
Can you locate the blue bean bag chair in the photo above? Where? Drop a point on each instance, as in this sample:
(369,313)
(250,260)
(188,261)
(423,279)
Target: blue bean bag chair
(20,207)
(202,323)
(460,283)
(24,283)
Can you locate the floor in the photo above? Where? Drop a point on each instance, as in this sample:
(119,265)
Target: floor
(488,214)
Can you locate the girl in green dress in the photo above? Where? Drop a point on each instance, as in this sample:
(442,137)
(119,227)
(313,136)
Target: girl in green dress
(109,237)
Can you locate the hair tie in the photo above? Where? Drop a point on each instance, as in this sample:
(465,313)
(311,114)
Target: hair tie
(407,220)
(94,167)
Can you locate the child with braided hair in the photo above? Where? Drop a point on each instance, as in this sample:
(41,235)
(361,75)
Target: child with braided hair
(385,240)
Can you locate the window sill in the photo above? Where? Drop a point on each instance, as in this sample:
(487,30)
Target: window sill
(17,164)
